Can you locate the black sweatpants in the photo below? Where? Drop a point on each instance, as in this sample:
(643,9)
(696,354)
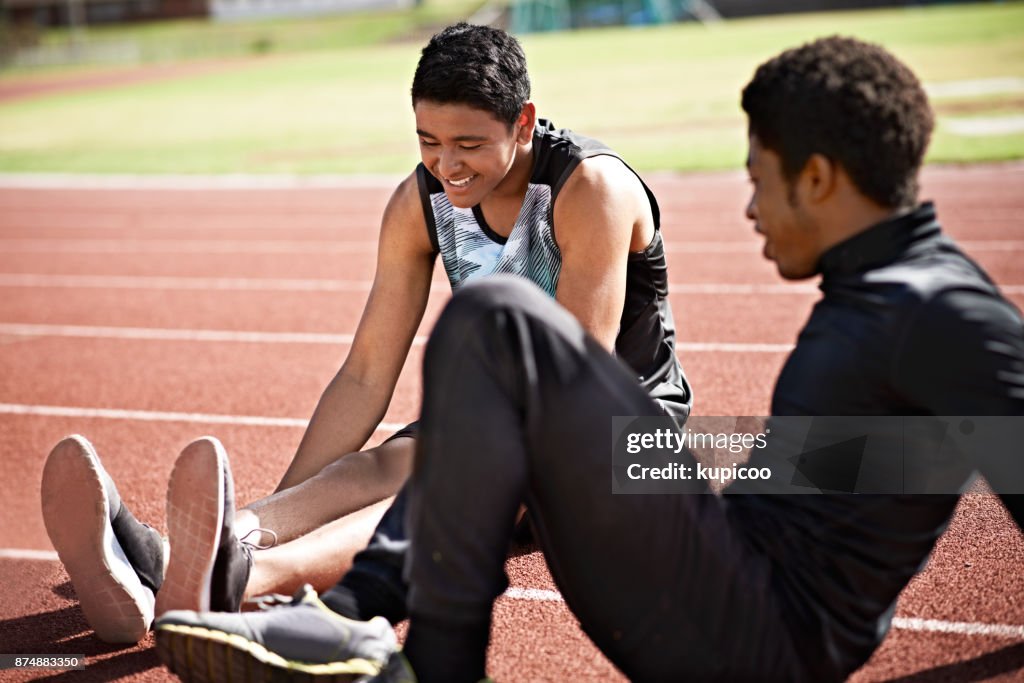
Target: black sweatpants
(518,402)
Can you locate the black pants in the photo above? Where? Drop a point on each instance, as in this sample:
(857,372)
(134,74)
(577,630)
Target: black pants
(517,408)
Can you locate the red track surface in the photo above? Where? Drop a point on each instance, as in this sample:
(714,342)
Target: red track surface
(328,235)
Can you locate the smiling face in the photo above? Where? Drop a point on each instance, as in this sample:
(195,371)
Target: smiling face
(792,238)
(469,150)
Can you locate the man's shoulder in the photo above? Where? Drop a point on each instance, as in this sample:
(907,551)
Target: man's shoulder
(921,276)
(405,212)
(558,153)
(567,141)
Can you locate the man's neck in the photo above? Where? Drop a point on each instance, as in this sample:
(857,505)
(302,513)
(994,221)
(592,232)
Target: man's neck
(514,185)
(852,214)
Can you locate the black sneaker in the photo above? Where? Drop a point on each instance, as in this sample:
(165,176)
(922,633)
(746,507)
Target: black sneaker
(395,670)
(114,561)
(298,641)
(209,567)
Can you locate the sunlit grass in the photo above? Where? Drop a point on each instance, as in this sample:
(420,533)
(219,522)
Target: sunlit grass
(666,98)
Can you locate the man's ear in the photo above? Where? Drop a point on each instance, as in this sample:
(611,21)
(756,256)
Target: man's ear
(526,122)
(817,180)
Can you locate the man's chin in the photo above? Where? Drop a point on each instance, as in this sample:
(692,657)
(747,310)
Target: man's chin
(461,202)
(793,274)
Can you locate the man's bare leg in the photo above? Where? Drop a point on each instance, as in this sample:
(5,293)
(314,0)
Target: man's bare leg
(319,558)
(347,485)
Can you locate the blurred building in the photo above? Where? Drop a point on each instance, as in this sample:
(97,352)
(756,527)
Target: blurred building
(88,12)
(233,10)
(550,15)
(745,8)
(77,12)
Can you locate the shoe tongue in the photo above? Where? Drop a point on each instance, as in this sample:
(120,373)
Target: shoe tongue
(113,496)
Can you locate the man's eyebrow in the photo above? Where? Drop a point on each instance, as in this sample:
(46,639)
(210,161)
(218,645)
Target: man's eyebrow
(458,138)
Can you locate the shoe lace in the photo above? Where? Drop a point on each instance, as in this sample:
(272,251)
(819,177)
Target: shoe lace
(272,600)
(255,544)
(269,601)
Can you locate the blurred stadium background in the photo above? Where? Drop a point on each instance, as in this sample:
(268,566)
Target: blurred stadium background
(321,86)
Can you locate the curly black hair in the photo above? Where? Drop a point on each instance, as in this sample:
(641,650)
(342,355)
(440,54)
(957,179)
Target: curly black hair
(479,66)
(852,102)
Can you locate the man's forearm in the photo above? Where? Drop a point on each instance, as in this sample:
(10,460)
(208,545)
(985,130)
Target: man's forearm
(345,417)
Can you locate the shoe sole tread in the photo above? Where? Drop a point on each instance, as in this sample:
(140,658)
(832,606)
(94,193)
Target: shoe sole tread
(201,655)
(195,512)
(77,519)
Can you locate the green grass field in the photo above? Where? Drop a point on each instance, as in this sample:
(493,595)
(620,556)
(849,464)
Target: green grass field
(666,97)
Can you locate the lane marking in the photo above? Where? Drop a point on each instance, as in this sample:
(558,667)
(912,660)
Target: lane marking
(253,337)
(684,247)
(74,181)
(167,334)
(536,594)
(959,627)
(732,347)
(309,285)
(975,87)
(160,416)
(386,182)
(312,285)
(58,245)
(984,126)
(902,623)
(105,246)
(182,283)
(542,595)
(23,554)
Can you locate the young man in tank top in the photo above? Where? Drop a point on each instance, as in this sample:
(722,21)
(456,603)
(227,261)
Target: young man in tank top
(498,191)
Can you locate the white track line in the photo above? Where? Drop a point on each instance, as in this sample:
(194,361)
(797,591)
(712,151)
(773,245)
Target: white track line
(536,594)
(22,554)
(167,334)
(959,627)
(74,181)
(304,285)
(182,283)
(902,623)
(963,628)
(983,126)
(974,87)
(755,246)
(160,416)
(109,246)
(731,347)
(105,246)
(309,285)
(241,336)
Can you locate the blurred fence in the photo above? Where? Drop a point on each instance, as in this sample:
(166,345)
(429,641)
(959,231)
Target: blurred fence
(526,16)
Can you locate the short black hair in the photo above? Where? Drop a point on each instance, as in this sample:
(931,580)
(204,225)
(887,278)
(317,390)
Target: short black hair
(850,101)
(479,66)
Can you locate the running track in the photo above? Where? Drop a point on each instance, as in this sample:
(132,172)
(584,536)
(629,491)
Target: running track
(145,317)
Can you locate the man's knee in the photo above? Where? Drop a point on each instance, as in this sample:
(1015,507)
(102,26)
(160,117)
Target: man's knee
(475,309)
(493,292)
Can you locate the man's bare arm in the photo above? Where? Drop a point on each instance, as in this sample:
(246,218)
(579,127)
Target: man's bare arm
(357,397)
(600,215)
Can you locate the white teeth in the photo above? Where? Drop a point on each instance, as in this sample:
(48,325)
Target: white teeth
(461,183)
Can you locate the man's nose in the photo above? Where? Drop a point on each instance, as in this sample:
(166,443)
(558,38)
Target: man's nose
(450,163)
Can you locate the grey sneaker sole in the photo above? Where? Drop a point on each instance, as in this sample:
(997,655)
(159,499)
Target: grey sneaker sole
(77,517)
(195,510)
(200,655)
